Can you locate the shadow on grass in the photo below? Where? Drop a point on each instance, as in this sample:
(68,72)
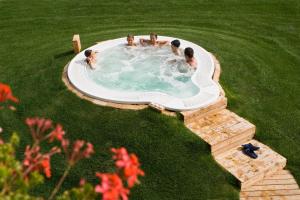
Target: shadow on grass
(64,54)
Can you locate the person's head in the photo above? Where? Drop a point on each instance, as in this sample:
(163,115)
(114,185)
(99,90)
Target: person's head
(188,53)
(153,38)
(130,39)
(175,45)
(90,53)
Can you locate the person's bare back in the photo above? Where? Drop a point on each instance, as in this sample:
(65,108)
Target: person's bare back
(193,63)
(189,57)
(91,58)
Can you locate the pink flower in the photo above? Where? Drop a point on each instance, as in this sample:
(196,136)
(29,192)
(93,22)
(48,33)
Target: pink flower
(36,161)
(42,129)
(111,187)
(121,157)
(82,182)
(58,133)
(78,144)
(65,145)
(80,150)
(31,155)
(129,164)
(38,126)
(89,150)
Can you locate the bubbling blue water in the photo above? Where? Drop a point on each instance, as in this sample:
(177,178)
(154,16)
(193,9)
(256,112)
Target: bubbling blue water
(143,69)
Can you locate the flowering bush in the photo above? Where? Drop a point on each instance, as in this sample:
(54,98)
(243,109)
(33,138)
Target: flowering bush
(18,178)
(6,96)
(128,164)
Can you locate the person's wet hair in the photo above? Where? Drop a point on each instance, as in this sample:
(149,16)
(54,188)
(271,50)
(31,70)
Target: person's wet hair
(175,43)
(153,34)
(130,36)
(87,53)
(189,52)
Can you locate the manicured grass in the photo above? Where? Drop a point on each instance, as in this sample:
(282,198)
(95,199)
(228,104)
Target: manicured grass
(257,43)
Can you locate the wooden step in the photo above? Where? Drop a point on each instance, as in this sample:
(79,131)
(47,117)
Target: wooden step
(281,197)
(280,185)
(190,116)
(222,130)
(250,171)
(239,139)
(270,193)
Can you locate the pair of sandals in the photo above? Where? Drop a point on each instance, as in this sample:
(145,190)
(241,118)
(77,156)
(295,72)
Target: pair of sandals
(249,149)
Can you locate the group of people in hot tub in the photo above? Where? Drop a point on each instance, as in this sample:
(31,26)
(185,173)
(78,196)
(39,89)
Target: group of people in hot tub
(153,41)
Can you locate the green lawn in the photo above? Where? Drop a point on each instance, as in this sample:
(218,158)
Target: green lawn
(257,43)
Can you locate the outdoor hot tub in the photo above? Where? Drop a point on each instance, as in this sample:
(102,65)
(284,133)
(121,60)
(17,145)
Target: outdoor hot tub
(146,74)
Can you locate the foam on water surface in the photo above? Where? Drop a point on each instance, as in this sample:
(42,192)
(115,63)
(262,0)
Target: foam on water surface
(143,69)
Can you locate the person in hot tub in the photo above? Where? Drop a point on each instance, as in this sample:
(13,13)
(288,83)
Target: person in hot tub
(189,57)
(177,59)
(175,44)
(130,40)
(90,58)
(153,41)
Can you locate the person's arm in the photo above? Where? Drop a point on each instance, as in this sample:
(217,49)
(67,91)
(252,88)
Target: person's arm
(195,64)
(92,65)
(172,61)
(88,60)
(144,41)
(161,43)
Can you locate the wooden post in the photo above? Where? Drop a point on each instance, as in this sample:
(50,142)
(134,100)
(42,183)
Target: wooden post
(76,43)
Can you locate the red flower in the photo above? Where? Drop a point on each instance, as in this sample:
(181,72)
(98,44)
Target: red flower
(78,144)
(36,161)
(6,94)
(129,164)
(89,150)
(132,171)
(111,187)
(38,126)
(121,156)
(65,145)
(57,133)
(45,166)
(31,155)
(80,150)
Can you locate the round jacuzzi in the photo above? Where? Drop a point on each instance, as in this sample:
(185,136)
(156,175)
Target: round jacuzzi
(146,74)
